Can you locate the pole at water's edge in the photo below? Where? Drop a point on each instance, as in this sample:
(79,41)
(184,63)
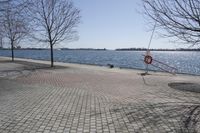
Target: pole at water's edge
(148,51)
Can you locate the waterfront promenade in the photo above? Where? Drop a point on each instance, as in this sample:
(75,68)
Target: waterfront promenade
(81,98)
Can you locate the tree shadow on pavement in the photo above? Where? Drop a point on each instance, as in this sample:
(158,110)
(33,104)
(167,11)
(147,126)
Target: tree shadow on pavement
(12,70)
(161,117)
(32,65)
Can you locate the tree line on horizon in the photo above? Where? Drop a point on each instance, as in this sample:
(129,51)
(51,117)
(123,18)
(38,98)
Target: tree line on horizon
(44,21)
(104,49)
(157,49)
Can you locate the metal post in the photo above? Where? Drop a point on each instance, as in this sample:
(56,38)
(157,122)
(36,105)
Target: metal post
(148,51)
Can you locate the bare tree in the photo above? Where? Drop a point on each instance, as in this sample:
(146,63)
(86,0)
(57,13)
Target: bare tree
(179,18)
(1,34)
(55,21)
(14,24)
(1,39)
(2,9)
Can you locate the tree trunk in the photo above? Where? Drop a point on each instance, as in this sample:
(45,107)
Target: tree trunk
(12,49)
(51,54)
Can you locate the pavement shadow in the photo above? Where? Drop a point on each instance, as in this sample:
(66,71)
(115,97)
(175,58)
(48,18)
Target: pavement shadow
(145,81)
(165,117)
(32,65)
(183,86)
(14,69)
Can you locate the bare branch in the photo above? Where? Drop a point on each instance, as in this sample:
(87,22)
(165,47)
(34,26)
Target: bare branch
(13,22)
(179,18)
(55,20)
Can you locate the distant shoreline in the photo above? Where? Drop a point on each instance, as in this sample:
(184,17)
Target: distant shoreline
(104,49)
(145,49)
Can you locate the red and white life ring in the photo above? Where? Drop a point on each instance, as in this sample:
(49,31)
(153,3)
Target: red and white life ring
(148,59)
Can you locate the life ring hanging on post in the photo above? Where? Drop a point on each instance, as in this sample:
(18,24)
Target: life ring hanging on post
(148,59)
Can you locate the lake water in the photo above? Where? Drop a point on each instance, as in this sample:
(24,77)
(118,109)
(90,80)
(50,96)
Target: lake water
(185,62)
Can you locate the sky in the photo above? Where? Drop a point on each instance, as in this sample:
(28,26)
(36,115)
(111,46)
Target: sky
(115,24)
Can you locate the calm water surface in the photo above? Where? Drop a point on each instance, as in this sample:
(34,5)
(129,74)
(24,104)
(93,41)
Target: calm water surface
(185,62)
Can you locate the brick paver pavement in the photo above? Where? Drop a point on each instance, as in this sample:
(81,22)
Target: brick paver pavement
(81,99)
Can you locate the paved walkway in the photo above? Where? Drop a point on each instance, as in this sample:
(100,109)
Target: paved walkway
(81,98)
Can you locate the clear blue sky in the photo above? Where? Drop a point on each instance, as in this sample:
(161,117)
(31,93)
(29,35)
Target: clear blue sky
(114,24)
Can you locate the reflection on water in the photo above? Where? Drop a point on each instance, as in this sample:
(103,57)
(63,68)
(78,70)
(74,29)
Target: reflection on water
(185,62)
